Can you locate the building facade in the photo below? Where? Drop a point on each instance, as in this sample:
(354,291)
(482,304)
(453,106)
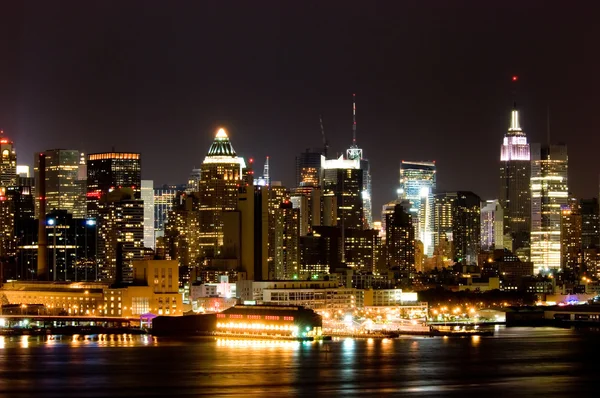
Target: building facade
(147,196)
(492,225)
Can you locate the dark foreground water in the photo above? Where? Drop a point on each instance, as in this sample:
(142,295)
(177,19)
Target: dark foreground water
(542,362)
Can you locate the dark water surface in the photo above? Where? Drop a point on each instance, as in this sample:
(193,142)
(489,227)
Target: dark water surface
(543,362)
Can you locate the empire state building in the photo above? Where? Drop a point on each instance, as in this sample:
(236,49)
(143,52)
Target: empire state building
(515,174)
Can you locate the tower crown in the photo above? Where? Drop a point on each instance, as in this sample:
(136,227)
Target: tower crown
(221,146)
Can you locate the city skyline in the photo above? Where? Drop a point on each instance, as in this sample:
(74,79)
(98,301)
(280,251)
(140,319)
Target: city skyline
(459,99)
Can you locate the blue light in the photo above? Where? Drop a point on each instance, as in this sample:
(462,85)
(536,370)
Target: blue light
(90,222)
(51,221)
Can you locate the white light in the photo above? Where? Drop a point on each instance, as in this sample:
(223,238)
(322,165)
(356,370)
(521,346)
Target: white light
(51,221)
(424,192)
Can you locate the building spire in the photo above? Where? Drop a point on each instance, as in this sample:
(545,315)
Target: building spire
(514,119)
(354,120)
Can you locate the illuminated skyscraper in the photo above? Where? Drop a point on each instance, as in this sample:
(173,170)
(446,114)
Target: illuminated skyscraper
(492,226)
(221,175)
(147,195)
(400,239)
(515,173)
(352,153)
(590,220)
(8,162)
(417,185)
(549,193)
(62,189)
(164,199)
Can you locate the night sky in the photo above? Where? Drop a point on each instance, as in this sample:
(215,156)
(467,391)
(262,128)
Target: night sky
(432,80)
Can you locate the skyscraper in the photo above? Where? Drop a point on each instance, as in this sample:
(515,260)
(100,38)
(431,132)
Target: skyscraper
(164,199)
(109,171)
(221,175)
(286,238)
(570,234)
(352,153)
(492,226)
(458,218)
(417,185)
(147,195)
(400,239)
(343,180)
(62,189)
(549,193)
(590,223)
(8,162)
(515,176)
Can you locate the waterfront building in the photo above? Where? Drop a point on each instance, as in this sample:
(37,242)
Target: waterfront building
(418,185)
(221,175)
(515,173)
(549,193)
(492,225)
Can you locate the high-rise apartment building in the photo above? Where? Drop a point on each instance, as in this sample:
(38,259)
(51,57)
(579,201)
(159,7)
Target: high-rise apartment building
(417,185)
(549,194)
(492,225)
(400,240)
(221,175)
(8,162)
(62,189)
(147,196)
(458,219)
(515,173)
(286,241)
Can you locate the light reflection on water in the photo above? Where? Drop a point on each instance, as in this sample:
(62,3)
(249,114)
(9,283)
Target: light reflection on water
(517,361)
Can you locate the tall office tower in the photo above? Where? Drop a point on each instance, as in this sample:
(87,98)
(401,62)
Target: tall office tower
(343,180)
(276,195)
(221,175)
(286,237)
(8,162)
(182,230)
(193,180)
(120,220)
(352,153)
(590,223)
(458,218)
(492,225)
(400,240)
(549,193)
(306,196)
(571,237)
(245,232)
(147,196)
(417,185)
(80,210)
(265,179)
(515,173)
(164,199)
(109,171)
(62,190)
(16,223)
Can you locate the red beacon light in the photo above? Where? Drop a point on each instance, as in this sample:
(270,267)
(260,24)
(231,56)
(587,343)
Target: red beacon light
(515,78)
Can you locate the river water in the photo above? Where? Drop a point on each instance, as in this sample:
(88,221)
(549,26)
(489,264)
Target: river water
(545,362)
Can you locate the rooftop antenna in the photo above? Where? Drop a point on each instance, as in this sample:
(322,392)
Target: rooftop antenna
(325,142)
(354,120)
